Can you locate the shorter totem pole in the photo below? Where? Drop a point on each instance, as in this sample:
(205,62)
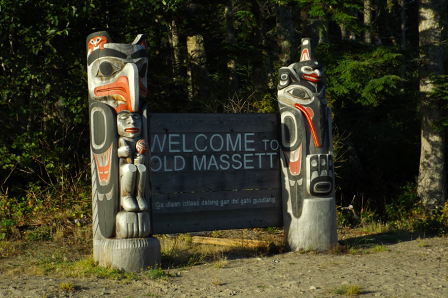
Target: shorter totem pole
(119,153)
(307,155)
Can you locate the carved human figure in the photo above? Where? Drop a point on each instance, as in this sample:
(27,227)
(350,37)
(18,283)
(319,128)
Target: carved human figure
(306,129)
(131,151)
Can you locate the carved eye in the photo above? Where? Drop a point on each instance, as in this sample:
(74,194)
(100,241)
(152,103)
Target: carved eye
(123,116)
(107,69)
(307,69)
(299,93)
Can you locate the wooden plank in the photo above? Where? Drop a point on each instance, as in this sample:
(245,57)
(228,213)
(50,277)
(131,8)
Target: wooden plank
(204,122)
(216,201)
(183,142)
(216,220)
(230,242)
(215,162)
(214,172)
(215,181)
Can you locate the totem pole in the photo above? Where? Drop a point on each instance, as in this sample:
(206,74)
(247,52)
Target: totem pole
(119,153)
(306,156)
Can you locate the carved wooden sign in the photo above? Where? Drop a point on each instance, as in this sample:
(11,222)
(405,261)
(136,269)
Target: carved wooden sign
(204,172)
(214,171)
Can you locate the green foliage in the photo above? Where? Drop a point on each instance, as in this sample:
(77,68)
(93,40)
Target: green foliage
(157,273)
(44,149)
(346,290)
(406,205)
(366,76)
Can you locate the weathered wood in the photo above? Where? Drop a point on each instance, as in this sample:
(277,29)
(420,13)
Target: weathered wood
(230,242)
(213,142)
(183,222)
(214,181)
(307,155)
(217,201)
(214,172)
(203,123)
(189,162)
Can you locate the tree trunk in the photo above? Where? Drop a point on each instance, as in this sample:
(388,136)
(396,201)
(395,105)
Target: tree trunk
(432,178)
(403,36)
(197,71)
(285,34)
(368,21)
(258,73)
(264,13)
(176,50)
(231,63)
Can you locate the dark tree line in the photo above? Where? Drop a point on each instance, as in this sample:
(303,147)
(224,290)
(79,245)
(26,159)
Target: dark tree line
(224,56)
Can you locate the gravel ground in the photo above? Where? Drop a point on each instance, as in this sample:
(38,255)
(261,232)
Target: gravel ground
(414,268)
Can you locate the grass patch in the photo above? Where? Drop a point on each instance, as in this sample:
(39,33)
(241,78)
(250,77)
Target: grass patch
(347,290)
(423,244)
(221,263)
(156,273)
(66,287)
(181,251)
(379,248)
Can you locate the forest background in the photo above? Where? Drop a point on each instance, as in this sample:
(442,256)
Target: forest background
(221,56)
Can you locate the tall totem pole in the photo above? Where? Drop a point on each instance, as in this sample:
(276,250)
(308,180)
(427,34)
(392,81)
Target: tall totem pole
(119,153)
(307,155)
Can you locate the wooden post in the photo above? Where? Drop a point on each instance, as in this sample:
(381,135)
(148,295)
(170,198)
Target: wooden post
(309,210)
(119,153)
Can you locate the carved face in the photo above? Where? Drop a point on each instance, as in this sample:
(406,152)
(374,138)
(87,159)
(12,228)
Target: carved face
(129,124)
(117,72)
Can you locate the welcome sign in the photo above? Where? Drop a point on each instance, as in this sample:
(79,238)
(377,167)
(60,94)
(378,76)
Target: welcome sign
(214,171)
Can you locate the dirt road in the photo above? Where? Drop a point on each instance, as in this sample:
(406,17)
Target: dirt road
(417,268)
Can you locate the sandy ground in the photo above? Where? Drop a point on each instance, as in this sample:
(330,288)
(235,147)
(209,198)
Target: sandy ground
(417,268)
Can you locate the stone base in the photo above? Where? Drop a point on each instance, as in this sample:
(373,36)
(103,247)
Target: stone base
(316,229)
(133,254)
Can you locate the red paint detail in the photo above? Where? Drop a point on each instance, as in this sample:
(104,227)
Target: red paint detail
(133,130)
(310,111)
(305,55)
(143,43)
(295,162)
(119,87)
(310,123)
(104,159)
(121,107)
(95,42)
(141,146)
(312,77)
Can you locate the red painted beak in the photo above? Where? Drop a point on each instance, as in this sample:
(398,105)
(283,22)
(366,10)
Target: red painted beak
(312,77)
(119,87)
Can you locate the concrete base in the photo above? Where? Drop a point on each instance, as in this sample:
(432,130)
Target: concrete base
(133,254)
(316,229)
